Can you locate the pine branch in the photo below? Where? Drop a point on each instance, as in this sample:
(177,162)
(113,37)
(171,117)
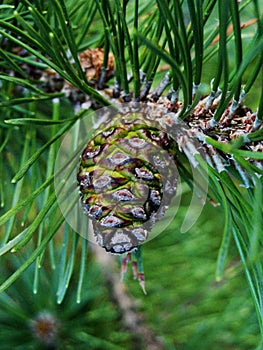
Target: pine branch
(61,60)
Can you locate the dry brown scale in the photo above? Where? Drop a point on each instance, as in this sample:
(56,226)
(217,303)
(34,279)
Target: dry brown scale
(241,123)
(232,125)
(91,61)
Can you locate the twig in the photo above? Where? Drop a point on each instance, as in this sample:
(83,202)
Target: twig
(131,317)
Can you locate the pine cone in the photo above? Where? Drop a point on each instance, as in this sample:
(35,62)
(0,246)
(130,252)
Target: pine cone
(127,178)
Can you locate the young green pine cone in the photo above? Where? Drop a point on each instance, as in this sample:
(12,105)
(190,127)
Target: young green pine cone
(127,178)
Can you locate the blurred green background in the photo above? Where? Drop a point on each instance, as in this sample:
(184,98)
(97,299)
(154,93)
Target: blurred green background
(185,305)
